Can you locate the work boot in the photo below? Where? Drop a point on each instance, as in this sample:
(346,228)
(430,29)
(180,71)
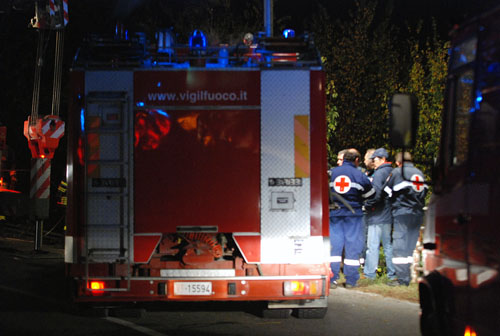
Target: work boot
(396,283)
(333,284)
(392,283)
(363,282)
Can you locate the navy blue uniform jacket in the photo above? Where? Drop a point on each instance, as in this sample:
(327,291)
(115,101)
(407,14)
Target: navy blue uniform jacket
(353,185)
(378,208)
(407,194)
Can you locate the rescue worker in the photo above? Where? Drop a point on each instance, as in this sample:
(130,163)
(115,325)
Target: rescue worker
(340,157)
(368,161)
(369,168)
(346,221)
(379,218)
(407,193)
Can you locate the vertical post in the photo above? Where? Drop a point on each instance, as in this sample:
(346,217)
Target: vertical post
(56,85)
(268,17)
(38,235)
(3,144)
(39,196)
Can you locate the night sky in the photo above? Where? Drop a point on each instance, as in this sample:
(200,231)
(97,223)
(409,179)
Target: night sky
(18,45)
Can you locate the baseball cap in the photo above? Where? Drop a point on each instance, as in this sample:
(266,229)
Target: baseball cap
(379,152)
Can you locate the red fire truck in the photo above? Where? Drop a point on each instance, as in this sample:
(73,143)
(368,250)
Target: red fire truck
(460,292)
(198,173)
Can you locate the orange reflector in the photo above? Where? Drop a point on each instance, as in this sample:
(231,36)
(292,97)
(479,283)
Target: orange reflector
(469,331)
(313,288)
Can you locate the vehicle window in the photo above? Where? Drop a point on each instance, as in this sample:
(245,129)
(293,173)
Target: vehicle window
(488,86)
(463,53)
(464,90)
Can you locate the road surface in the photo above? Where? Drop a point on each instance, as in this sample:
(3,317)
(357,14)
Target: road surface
(32,303)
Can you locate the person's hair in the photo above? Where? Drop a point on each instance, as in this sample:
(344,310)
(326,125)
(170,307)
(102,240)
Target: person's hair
(342,152)
(370,151)
(351,154)
(399,157)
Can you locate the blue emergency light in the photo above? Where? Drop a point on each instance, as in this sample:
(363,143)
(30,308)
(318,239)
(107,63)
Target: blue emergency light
(288,33)
(197,40)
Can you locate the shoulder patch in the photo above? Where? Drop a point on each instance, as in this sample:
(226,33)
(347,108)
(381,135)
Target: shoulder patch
(342,184)
(417,182)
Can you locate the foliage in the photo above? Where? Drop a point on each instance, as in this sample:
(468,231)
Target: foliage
(367,60)
(223,21)
(379,287)
(323,36)
(427,81)
(362,70)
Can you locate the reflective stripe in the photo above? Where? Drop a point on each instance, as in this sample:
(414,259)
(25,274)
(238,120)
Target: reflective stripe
(402,185)
(356,185)
(400,260)
(388,191)
(351,262)
(361,260)
(409,184)
(368,194)
(335,258)
(410,260)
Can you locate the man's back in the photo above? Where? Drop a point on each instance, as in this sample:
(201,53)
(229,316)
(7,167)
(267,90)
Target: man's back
(408,192)
(353,186)
(378,208)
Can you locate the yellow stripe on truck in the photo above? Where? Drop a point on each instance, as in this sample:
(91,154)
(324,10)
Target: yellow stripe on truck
(302,153)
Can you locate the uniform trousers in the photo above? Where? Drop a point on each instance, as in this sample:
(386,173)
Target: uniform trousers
(405,237)
(346,233)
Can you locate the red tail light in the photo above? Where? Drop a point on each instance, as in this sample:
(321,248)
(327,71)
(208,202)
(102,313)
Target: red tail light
(469,331)
(96,287)
(297,288)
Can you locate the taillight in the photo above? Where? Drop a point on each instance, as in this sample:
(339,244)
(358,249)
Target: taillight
(469,331)
(300,287)
(96,287)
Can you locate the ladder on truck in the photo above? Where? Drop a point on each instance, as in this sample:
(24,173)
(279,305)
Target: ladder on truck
(108,183)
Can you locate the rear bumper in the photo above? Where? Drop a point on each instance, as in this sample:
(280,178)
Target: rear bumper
(244,288)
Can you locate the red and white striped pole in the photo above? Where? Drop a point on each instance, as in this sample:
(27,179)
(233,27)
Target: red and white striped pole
(59,8)
(39,196)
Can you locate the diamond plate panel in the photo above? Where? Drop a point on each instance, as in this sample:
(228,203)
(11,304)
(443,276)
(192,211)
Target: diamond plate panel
(108,212)
(106,81)
(104,211)
(295,250)
(110,146)
(284,94)
(103,231)
(109,170)
(104,238)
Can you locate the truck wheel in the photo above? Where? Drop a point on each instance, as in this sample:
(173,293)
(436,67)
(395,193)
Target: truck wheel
(436,305)
(311,313)
(429,320)
(276,313)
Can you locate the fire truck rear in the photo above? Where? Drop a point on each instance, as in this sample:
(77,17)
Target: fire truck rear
(459,294)
(198,173)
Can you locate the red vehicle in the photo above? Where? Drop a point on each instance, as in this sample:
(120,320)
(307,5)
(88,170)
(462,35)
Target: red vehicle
(460,292)
(198,173)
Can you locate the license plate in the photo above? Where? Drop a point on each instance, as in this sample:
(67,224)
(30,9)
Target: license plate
(193,288)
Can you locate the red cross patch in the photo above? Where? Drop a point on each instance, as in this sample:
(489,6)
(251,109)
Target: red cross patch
(417,182)
(342,184)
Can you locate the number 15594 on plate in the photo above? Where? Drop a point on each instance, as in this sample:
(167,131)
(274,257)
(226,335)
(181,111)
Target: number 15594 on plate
(193,288)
